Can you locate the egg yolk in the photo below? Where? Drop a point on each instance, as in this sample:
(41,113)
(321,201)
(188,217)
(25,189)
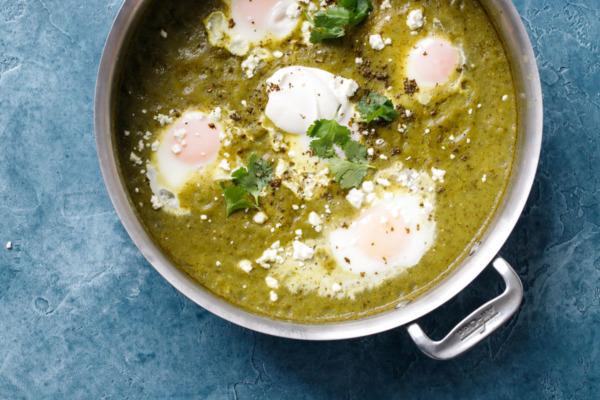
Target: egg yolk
(254,15)
(381,233)
(432,61)
(195,139)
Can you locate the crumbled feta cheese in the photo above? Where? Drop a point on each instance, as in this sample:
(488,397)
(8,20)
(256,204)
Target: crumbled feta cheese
(176,149)
(295,207)
(155,145)
(376,42)
(260,217)
(216,114)
(301,251)
(415,19)
(277,54)
(293,11)
(437,174)
(179,134)
(8,245)
(163,119)
(156,203)
(383,182)
(336,287)
(163,33)
(273,296)
(315,220)
(203,217)
(271,255)
(383,157)
(135,158)
(368,186)
(306,28)
(370,151)
(272,282)
(371,197)
(218,263)
(298,232)
(386,5)
(379,142)
(358,60)
(126,133)
(452,156)
(245,265)
(355,197)
(250,64)
(387,41)
(224,165)
(484,178)
(505,97)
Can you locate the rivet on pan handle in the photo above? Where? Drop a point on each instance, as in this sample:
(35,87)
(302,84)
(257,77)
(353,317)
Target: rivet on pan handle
(479,324)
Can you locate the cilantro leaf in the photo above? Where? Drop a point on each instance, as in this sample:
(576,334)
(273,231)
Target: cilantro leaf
(234,199)
(331,23)
(374,106)
(347,173)
(250,180)
(319,34)
(333,16)
(360,10)
(355,152)
(328,132)
(255,177)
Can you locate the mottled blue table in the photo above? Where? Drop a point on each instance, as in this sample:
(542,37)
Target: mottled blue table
(83,315)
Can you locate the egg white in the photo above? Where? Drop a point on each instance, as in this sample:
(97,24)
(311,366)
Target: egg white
(243,33)
(350,254)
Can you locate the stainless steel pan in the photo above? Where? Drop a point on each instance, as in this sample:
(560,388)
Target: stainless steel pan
(466,334)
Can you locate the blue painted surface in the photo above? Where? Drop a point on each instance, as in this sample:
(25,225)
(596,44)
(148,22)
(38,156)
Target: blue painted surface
(83,315)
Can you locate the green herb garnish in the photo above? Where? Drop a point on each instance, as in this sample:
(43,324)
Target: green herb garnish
(347,173)
(374,106)
(235,200)
(355,152)
(350,172)
(332,23)
(247,181)
(255,178)
(328,132)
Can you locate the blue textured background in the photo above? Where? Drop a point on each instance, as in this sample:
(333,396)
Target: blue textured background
(83,315)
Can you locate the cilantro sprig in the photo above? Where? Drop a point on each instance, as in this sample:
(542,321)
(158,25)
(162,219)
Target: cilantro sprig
(348,173)
(247,181)
(332,23)
(328,132)
(374,106)
(235,200)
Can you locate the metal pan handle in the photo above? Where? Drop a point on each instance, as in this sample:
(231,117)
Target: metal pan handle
(479,324)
